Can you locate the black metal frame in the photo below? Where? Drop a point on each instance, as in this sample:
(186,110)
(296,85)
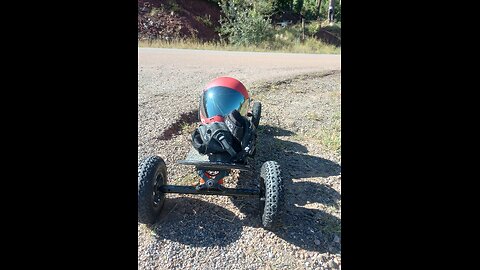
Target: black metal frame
(211,184)
(223,192)
(215,165)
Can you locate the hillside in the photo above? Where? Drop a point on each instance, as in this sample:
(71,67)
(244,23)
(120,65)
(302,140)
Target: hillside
(168,19)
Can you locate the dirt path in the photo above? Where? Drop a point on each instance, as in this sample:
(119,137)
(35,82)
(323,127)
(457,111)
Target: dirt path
(300,128)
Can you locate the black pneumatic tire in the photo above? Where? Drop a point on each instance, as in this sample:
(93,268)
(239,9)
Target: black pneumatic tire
(272,190)
(152,173)
(256,113)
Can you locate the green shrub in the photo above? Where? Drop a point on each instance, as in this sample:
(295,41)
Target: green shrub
(243,24)
(312,28)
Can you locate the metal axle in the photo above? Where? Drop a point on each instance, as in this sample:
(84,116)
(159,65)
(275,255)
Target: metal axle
(223,192)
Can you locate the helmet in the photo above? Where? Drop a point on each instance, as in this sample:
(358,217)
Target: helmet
(220,97)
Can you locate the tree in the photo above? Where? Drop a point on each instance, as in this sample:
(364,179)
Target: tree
(310,9)
(245,23)
(264,7)
(297,6)
(331,10)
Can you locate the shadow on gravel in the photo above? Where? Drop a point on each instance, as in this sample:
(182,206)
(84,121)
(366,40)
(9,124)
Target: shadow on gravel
(310,229)
(176,127)
(197,223)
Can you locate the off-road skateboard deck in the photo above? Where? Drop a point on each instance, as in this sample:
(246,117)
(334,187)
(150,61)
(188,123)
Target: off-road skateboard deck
(210,162)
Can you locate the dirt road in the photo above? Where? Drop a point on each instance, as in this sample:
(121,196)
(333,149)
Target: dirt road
(300,128)
(231,61)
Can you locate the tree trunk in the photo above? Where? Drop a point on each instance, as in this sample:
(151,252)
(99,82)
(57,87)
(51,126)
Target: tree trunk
(331,10)
(303,28)
(319,9)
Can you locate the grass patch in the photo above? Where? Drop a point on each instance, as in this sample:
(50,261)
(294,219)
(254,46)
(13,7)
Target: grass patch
(329,136)
(312,28)
(187,128)
(330,225)
(337,117)
(311,45)
(295,33)
(313,116)
(187,180)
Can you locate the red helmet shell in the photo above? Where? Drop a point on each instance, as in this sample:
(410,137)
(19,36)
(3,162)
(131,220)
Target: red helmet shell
(230,83)
(227,84)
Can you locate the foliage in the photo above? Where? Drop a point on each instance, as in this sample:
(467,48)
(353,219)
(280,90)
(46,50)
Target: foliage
(245,22)
(297,6)
(283,43)
(282,5)
(206,20)
(310,9)
(264,7)
(312,28)
(337,10)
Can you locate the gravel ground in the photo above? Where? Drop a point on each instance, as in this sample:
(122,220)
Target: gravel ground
(300,128)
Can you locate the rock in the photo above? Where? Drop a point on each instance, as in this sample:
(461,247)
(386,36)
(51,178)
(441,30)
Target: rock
(336,239)
(317,242)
